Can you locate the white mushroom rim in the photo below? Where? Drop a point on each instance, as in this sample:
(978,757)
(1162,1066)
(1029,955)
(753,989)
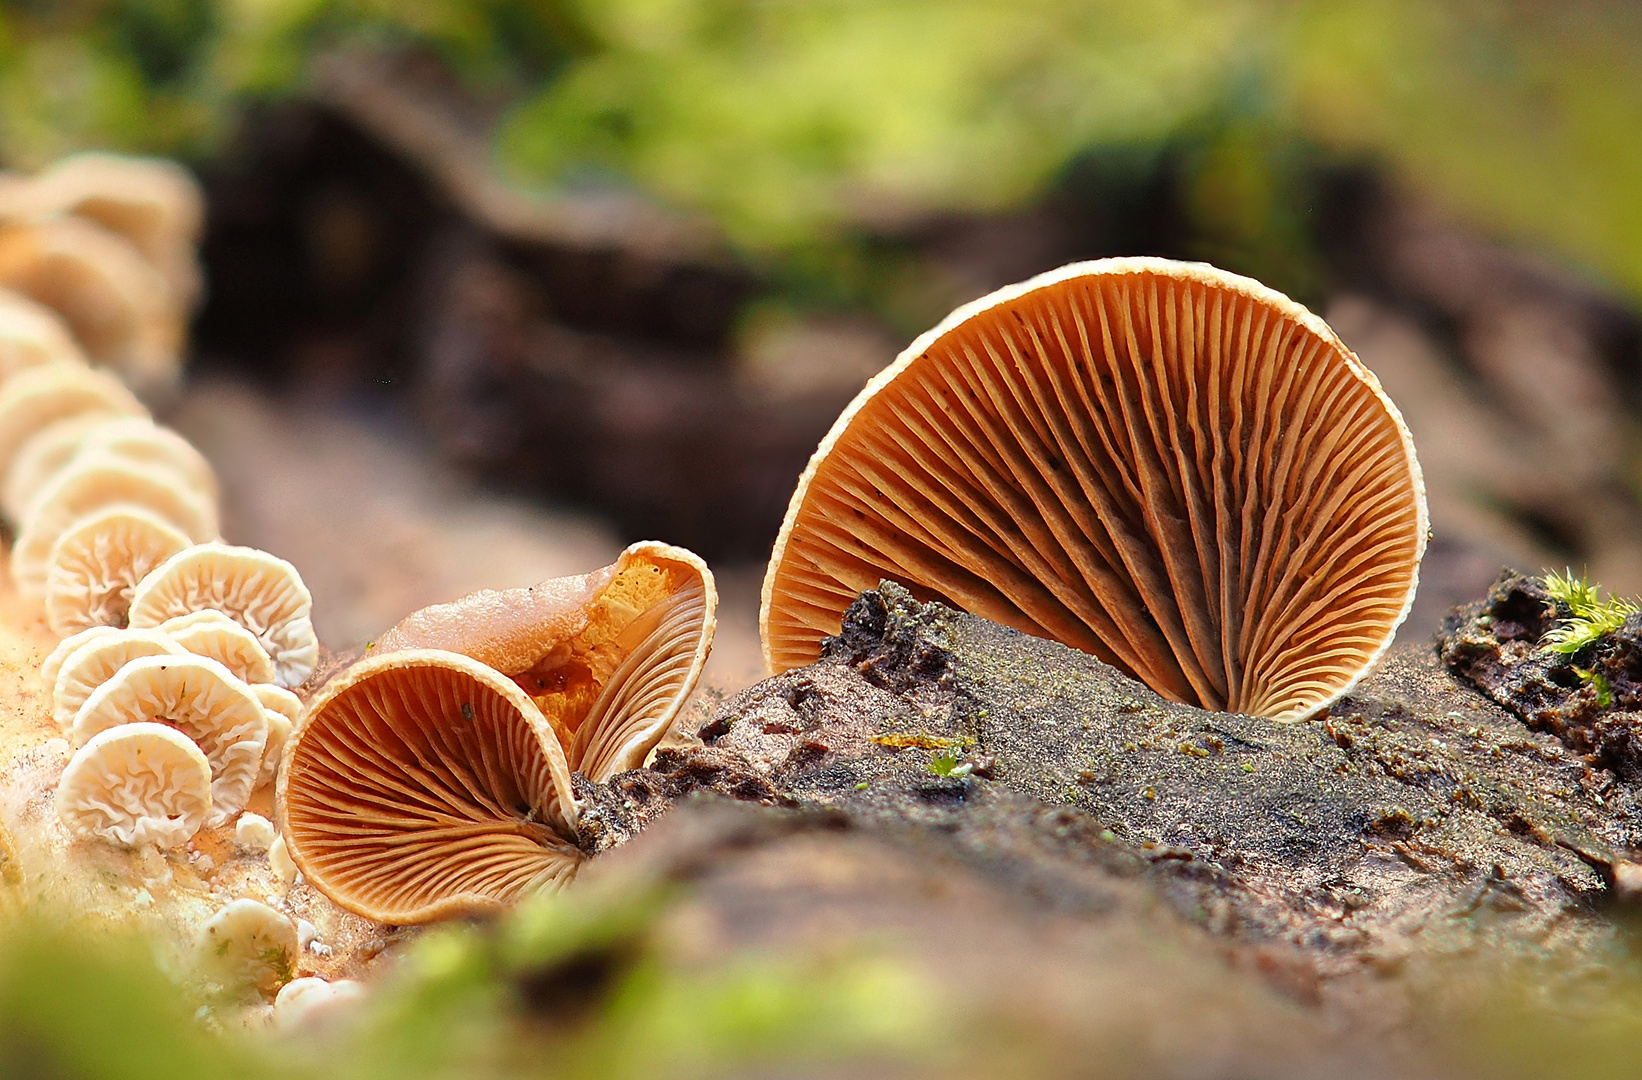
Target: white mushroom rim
(199,697)
(261,592)
(136,784)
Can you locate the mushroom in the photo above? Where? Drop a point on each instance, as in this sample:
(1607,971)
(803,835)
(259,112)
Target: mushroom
(1174,468)
(253,832)
(97,563)
(250,945)
(152,202)
(32,334)
(95,483)
(212,633)
(38,396)
(118,305)
(423,785)
(140,440)
(259,591)
(303,1003)
(202,699)
(43,455)
(53,663)
(95,662)
(279,861)
(284,711)
(136,784)
(609,657)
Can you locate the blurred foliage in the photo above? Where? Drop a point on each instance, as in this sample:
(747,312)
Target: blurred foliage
(560,988)
(793,123)
(592,986)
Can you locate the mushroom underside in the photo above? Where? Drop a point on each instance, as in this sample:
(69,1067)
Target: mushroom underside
(423,791)
(1187,481)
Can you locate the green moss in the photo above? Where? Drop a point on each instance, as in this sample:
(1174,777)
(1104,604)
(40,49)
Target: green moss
(1592,618)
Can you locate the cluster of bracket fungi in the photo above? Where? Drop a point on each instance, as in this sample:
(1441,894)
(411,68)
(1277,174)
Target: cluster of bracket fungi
(1172,468)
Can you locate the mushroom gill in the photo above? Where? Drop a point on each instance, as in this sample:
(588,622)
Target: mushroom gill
(433,779)
(423,785)
(1171,467)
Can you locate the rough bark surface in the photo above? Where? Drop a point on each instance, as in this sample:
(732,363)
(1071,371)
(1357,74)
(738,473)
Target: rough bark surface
(1360,864)
(1591,699)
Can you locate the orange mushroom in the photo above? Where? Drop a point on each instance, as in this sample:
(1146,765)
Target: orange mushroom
(424,785)
(609,657)
(433,778)
(1173,468)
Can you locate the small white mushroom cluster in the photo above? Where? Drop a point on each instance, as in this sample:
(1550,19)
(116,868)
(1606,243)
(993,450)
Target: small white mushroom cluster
(108,243)
(180,716)
(98,494)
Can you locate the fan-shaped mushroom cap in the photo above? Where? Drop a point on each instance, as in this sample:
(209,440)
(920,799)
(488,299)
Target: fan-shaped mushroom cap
(95,662)
(199,697)
(250,944)
(1176,469)
(32,334)
(140,440)
(152,202)
(95,483)
(134,439)
(39,396)
(423,785)
(118,305)
(53,663)
(43,455)
(136,784)
(261,592)
(619,649)
(213,633)
(97,563)
(284,711)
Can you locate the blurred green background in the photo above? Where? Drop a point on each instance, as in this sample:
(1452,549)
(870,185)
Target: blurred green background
(792,124)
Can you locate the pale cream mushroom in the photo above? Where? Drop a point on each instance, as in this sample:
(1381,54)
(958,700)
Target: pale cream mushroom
(97,563)
(303,1003)
(32,334)
(95,662)
(40,396)
(53,662)
(281,863)
(214,634)
(253,832)
(94,483)
(423,785)
(609,657)
(140,440)
(136,784)
(135,439)
(262,592)
(152,202)
(43,455)
(284,710)
(249,945)
(200,698)
(116,303)
(1173,468)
